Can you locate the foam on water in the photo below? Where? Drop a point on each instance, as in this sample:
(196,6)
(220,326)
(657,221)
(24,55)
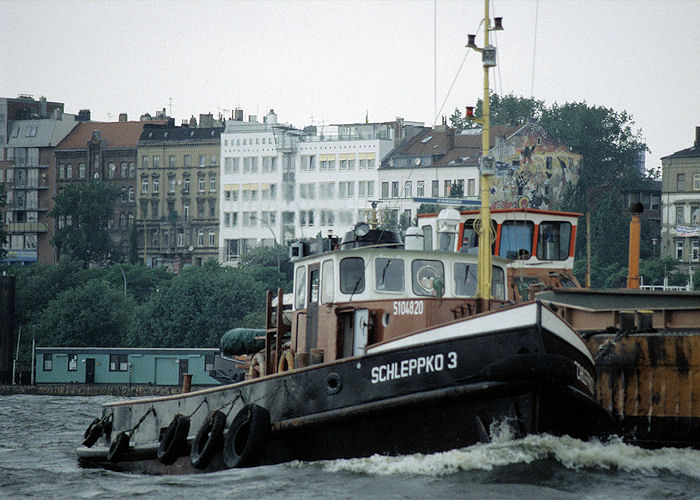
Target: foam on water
(572,453)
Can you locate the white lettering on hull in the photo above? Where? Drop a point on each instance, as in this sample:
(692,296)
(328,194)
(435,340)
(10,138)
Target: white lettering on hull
(414,366)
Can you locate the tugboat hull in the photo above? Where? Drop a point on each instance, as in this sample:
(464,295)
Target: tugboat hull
(422,397)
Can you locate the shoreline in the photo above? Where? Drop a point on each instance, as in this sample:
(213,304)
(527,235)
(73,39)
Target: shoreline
(132,390)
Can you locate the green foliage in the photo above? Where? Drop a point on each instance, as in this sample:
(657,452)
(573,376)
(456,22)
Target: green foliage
(89,206)
(270,257)
(93,314)
(3,234)
(428,208)
(456,190)
(503,110)
(196,308)
(133,245)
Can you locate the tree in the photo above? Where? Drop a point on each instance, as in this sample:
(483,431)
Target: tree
(86,209)
(503,110)
(269,257)
(456,190)
(93,314)
(3,235)
(133,245)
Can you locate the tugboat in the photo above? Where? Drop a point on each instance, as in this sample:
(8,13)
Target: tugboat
(391,348)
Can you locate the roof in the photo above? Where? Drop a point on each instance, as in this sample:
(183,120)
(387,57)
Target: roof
(152,133)
(692,152)
(41,132)
(115,134)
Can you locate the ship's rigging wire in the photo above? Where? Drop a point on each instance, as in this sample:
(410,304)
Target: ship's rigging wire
(534,49)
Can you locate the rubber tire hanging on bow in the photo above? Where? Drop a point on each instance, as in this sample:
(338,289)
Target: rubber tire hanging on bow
(209,440)
(92,433)
(246,437)
(118,446)
(174,441)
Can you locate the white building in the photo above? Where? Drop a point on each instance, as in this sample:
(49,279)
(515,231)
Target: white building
(280,183)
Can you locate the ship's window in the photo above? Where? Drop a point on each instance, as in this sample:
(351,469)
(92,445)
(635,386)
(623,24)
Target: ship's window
(465,279)
(426,274)
(313,286)
(553,241)
(208,362)
(516,239)
(327,282)
(388,275)
(470,239)
(300,288)
(498,283)
(352,275)
(427,238)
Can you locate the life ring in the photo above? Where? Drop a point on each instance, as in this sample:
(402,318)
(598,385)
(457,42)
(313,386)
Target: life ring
(208,440)
(118,446)
(257,366)
(92,433)
(246,437)
(286,361)
(174,440)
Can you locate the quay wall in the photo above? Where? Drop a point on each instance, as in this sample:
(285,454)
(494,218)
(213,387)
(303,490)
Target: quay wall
(93,390)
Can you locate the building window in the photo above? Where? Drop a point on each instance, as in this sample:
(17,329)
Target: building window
(156,184)
(407,189)
(81,171)
(171,161)
(61,172)
(435,189)
(144,162)
(181,239)
(186,186)
(186,211)
(696,182)
(69,171)
(203,159)
(227,219)
(679,215)
(156,161)
(385,189)
(420,188)
(171,182)
(72,362)
(131,195)
(200,237)
(212,184)
(680,182)
(144,184)
(201,183)
(188,161)
(679,249)
(208,362)
(447,188)
(471,188)
(118,363)
(48,362)
(695,250)
(124,170)
(132,170)
(395,189)
(212,237)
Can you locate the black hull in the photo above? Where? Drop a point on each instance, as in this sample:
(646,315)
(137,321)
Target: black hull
(379,404)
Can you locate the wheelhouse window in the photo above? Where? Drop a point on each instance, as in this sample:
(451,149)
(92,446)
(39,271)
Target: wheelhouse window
(516,239)
(72,362)
(118,363)
(389,275)
(208,362)
(465,279)
(48,362)
(426,275)
(300,288)
(498,283)
(554,240)
(327,283)
(352,275)
(470,238)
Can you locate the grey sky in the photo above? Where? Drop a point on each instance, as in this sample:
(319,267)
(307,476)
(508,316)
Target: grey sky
(335,62)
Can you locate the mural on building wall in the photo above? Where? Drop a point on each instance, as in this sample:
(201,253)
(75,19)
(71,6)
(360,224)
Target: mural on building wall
(532,175)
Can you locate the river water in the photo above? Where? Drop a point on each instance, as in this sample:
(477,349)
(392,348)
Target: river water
(39,435)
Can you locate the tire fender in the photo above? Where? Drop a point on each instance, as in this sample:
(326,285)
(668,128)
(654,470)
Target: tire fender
(209,440)
(247,437)
(174,441)
(118,447)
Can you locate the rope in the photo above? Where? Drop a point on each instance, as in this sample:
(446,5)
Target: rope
(231,403)
(198,407)
(150,410)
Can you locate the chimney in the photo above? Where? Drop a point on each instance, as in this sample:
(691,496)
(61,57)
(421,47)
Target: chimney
(42,107)
(635,236)
(193,121)
(398,127)
(450,138)
(84,115)
(123,117)
(252,118)
(238,115)
(697,137)
(271,117)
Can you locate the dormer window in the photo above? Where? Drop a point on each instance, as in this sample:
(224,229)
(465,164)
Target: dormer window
(425,140)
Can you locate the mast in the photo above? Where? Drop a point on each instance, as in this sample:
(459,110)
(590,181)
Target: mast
(487,163)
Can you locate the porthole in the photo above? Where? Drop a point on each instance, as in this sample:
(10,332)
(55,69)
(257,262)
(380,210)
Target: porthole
(386,318)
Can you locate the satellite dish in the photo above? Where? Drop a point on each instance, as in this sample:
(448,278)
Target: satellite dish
(417,161)
(191,248)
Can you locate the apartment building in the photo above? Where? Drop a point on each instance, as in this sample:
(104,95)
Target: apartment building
(680,205)
(177,188)
(281,183)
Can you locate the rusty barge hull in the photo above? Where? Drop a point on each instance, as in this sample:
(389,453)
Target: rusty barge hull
(647,352)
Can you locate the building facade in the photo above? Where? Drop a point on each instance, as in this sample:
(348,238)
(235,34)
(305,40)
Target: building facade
(279,183)
(104,151)
(532,169)
(178,195)
(680,199)
(28,177)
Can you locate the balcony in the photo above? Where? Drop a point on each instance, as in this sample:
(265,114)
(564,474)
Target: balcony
(27,227)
